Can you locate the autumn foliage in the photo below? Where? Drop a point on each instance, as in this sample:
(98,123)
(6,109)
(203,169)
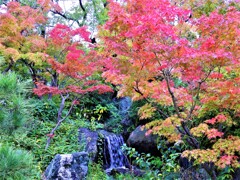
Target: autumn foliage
(157,51)
(18,40)
(73,65)
(60,59)
(160,51)
(58,53)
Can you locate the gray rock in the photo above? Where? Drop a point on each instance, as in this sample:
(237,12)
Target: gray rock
(67,167)
(142,143)
(195,173)
(89,139)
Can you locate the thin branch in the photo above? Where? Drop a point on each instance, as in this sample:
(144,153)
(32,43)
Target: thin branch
(81,5)
(186,130)
(84,10)
(194,101)
(136,89)
(198,93)
(66,17)
(59,117)
(60,120)
(174,100)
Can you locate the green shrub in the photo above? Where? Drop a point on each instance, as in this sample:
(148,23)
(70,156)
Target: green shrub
(95,172)
(16,164)
(15,108)
(46,110)
(113,123)
(65,141)
(164,167)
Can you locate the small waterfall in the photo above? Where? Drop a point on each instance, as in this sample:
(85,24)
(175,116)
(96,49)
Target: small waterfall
(113,154)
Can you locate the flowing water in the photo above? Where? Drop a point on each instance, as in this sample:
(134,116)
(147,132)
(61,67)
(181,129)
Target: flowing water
(113,154)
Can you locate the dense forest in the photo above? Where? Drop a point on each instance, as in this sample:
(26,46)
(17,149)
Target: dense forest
(119,89)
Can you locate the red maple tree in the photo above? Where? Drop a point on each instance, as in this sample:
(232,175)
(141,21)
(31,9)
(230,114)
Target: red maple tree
(154,51)
(61,61)
(74,67)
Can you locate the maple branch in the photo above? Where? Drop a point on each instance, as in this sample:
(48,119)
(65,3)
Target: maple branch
(179,130)
(136,89)
(198,92)
(195,101)
(33,72)
(81,5)
(166,75)
(191,139)
(70,18)
(209,167)
(84,10)
(66,17)
(59,118)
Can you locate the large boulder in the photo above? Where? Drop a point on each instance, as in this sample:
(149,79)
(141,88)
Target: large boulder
(67,167)
(143,143)
(195,173)
(89,139)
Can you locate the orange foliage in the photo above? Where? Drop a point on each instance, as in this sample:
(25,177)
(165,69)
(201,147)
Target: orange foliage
(154,50)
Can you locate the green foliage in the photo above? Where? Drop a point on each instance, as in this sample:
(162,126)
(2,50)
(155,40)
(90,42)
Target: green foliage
(113,122)
(133,111)
(94,125)
(170,156)
(128,176)
(164,167)
(65,141)
(46,110)
(225,173)
(16,164)
(15,108)
(2,60)
(9,84)
(95,171)
(236,129)
(99,112)
(147,162)
(92,106)
(208,7)
(101,13)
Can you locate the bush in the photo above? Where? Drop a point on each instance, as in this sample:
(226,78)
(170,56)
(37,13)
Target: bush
(65,141)
(16,164)
(15,108)
(164,167)
(95,171)
(46,110)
